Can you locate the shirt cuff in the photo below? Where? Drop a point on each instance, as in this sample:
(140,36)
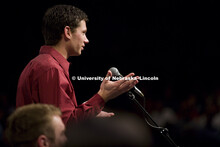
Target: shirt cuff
(97,101)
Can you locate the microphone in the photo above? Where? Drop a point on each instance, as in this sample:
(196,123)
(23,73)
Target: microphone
(115,72)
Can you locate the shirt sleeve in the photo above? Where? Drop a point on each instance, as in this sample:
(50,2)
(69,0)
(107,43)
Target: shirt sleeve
(54,88)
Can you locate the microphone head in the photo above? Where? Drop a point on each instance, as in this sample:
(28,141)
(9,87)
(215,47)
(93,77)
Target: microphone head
(115,71)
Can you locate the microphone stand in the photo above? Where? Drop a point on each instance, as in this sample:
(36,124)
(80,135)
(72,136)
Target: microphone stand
(163,131)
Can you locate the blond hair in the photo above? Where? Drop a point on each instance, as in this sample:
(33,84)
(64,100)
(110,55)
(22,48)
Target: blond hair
(28,122)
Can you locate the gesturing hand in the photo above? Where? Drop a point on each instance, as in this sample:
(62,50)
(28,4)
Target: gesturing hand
(105,114)
(111,89)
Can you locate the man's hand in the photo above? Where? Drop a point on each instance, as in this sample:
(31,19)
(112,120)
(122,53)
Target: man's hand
(105,114)
(111,89)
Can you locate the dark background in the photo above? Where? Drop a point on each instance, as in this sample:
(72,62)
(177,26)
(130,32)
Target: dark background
(177,41)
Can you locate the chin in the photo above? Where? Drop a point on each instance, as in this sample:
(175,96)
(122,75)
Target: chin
(76,54)
(79,54)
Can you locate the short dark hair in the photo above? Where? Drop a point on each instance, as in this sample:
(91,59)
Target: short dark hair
(55,20)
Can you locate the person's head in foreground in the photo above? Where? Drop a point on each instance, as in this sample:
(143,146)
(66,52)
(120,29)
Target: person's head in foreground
(36,125)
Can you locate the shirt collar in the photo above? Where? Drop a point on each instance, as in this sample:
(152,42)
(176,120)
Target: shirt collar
(56,55)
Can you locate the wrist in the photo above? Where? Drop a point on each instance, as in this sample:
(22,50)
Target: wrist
(104,97)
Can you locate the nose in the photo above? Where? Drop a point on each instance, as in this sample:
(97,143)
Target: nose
(86,40)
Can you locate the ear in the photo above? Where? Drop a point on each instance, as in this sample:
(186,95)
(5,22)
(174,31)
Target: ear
(42,141)
(67,32)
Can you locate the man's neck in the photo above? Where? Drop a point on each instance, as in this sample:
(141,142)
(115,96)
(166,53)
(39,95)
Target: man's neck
(61,50)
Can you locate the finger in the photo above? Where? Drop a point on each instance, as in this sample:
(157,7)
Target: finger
(133,82)
(105,114)
(129,84)
(109,73)
(126,78)
(110,114)
(130,75)
(108,76)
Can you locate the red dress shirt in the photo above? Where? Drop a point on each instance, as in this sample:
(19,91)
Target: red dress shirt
(46,80)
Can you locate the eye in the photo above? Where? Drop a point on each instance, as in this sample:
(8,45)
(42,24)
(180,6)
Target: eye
(84,32)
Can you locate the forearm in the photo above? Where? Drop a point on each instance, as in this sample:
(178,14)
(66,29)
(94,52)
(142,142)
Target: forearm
(89,109)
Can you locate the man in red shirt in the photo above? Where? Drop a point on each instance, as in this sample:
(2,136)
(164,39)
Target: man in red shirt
(46,78)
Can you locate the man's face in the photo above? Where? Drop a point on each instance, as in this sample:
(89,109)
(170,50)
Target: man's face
(78,39)
(59,129)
